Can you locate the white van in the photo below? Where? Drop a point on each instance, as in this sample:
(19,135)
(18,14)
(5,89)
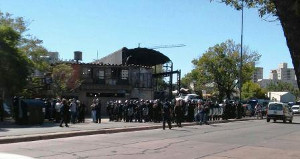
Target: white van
(279,111)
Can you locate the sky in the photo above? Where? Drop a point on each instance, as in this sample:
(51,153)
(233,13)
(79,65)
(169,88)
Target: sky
(105,26)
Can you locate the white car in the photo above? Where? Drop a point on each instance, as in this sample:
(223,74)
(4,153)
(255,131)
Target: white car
(188,97)
(295,109)
(279,111)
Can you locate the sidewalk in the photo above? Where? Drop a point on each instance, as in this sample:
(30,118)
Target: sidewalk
(11,132)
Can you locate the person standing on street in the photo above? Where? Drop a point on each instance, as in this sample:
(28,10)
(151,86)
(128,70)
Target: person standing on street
(58,106)
(98,111)
(1,110)
(166,111)
(178,113)
(93,110)
(73,109)
(64,111)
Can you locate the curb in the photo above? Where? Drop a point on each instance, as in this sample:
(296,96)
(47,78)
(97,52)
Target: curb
(36,137)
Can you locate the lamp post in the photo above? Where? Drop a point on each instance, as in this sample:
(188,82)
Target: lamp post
(241,62)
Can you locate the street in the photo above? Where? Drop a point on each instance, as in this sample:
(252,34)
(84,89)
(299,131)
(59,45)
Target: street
(241,139)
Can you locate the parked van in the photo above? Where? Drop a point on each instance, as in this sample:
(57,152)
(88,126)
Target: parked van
(279,111)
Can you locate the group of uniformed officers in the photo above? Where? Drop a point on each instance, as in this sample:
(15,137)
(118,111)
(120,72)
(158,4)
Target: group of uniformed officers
(166,111)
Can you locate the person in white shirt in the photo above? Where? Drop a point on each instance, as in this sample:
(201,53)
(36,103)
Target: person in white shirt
(58,106)
(73,110)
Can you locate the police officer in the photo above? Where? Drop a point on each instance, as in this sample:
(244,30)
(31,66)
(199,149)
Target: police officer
(166,112)
(64,113)
(178,113)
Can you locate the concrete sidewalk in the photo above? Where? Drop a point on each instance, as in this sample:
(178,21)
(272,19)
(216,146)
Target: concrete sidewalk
(11,133)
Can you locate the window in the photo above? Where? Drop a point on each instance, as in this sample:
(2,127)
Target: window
(124,75)
(275,107)
(101,74)
(86,72)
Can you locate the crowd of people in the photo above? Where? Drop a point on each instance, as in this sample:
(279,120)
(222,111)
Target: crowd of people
(175,111)
(64,111)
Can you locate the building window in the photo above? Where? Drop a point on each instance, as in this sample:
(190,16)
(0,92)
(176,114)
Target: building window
(86,72)
(101,74)
(124,75)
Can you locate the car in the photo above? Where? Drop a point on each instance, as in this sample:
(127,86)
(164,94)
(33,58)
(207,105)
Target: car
(295,109)
(279,111)
(189,97)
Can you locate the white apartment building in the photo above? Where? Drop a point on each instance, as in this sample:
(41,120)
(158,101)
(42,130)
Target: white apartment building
(283,74)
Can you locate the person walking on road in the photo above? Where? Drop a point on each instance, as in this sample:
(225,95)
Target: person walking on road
(166,111)
(64,111)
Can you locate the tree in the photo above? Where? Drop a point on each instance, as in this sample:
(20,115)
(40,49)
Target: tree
(253,90)
(27,43)
(64,80)
(14,65)
(219,67)
(288,13)
(27,46)
(280,86)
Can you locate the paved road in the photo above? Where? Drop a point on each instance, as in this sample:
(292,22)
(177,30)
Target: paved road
(242,139)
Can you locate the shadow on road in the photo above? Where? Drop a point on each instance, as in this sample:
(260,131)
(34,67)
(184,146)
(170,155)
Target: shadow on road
(286,123)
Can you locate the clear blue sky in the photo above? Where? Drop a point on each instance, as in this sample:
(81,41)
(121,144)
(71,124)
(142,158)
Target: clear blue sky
(108,25)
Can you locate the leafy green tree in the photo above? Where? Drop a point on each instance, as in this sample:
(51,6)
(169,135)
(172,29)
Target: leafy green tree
(253,90)
(288,13)
(64,79)
(14,65)
(280,86)
(27,43)
(28,46)
(219,67)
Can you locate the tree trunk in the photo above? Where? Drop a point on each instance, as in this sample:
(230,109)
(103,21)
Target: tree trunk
(288,12)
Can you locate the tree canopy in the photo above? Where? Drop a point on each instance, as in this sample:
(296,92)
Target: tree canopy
(288,13)
(253,90)
(64,80)
(27,43)
(219,66)
(21,53)
(14,65)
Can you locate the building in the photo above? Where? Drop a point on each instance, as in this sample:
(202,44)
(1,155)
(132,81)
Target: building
(53,57)
(111,83)
(284,97)
(273,75)
(123,75)
(258,74)
(283,73)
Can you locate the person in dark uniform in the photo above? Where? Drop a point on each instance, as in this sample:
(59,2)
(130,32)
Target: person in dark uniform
(178,113)
(64,113)
(1,109)
(98,111)
(166,112)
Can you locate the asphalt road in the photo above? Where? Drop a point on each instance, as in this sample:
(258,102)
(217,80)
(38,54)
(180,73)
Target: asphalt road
(242,139)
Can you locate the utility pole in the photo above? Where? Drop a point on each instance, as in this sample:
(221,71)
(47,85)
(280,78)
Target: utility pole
(241,62)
